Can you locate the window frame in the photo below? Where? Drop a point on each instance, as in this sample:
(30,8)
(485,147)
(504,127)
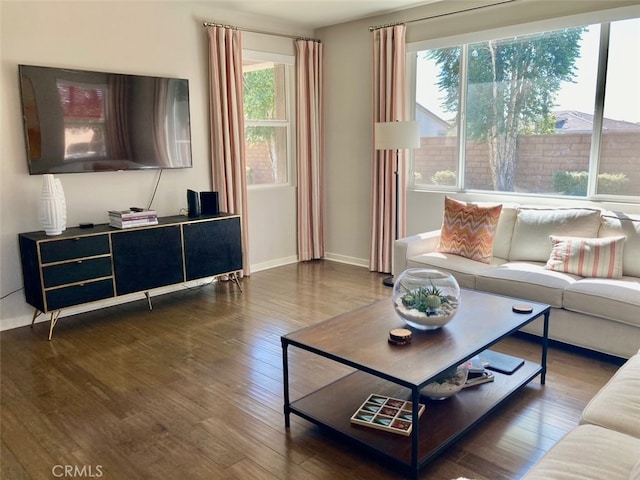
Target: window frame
(289,124)
(603,18)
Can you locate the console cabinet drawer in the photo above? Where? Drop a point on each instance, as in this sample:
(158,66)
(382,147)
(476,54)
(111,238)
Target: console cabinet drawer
(76,271)
(58,298)
(77,247)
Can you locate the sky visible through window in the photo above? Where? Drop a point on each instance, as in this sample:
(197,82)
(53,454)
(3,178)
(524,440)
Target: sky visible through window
(622,93)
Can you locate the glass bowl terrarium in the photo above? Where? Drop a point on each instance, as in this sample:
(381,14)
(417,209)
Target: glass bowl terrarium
(447,384)
(426,299)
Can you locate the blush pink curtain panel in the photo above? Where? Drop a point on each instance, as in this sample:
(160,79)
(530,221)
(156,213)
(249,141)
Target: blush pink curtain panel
(228,160)
(310,150)
(389,105)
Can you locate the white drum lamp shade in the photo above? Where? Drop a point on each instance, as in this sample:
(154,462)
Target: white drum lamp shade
(396,135)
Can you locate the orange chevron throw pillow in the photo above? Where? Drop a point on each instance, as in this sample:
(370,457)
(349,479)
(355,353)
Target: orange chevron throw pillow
(468,229)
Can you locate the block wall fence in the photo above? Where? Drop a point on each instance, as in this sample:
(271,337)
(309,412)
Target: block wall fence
(539,157)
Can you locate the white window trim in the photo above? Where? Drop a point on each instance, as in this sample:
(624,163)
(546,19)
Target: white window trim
(599,17)
(578,20)
(289,61)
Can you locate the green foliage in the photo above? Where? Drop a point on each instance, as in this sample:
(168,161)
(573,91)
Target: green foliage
(512,82)
(259,102)
(259,94)
(613,183)
(575,183)
(571,183)
(444,177)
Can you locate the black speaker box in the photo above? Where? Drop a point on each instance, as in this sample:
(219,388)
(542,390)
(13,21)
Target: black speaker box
(193,201)
(209,203)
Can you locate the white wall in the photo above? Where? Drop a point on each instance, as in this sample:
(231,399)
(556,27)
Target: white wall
(349,114)
(148,38)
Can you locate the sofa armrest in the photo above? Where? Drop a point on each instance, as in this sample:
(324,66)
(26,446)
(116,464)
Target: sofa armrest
(404,248)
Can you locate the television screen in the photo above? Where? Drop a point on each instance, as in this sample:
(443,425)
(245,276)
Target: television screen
(83,121)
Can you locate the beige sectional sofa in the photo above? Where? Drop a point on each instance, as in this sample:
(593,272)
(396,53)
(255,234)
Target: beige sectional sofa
(606,444)
(600,314)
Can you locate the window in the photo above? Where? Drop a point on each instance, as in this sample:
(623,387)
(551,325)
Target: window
(619,148)
(531,114)
(267,119)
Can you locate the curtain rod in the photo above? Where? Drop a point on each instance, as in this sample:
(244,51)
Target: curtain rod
(262,32)
(378,27)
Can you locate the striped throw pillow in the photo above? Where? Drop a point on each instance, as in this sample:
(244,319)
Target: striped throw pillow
(587,257)
(468,229)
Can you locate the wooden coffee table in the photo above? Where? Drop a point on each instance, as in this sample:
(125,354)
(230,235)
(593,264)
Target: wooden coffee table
(358,339)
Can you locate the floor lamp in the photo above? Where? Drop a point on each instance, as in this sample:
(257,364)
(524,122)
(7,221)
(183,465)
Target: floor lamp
(396,136)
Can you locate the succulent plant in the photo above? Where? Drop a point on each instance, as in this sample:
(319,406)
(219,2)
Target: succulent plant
(446,375)
(424,299)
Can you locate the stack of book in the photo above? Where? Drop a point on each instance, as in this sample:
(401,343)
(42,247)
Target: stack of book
(478,373)
(138,217)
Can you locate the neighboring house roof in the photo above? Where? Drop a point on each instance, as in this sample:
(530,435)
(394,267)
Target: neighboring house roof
(567,121)
(570,121)
(430,123)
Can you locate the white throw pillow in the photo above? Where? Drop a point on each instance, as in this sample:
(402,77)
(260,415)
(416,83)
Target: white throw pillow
(587,257)
(534,225)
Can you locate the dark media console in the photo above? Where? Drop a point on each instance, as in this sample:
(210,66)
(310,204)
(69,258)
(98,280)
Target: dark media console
(88,264)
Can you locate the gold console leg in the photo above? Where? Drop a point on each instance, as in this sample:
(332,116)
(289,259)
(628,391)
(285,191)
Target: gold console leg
(54,320)
(36,314)
(234,276)
(146,294)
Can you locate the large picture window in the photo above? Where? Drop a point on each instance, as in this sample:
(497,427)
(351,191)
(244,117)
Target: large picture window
(267,120)
(550,113)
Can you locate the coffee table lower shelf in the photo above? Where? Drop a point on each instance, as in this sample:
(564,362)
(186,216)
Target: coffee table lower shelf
(442,423)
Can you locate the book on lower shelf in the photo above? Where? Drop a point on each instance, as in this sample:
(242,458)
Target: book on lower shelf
(479,379)
(386,413)
(501,362)
(475,365)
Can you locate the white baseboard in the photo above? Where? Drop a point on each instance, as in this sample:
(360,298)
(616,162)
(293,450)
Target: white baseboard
(359,262)
(273,263)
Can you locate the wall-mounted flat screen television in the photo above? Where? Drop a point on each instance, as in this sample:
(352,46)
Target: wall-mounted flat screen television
(84,121)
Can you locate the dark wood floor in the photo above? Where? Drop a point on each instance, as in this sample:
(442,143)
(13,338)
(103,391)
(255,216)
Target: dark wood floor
(193,390)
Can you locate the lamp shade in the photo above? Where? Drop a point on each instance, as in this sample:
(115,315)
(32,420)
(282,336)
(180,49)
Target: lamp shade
(395,135)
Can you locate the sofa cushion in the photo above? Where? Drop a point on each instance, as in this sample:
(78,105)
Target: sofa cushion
(617,405)
(468,229)
(526,280)
(534,226)
(607,298)
(504,231)
(588,452)
(614,224)
(635,473)
(587,257)
(463,269)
